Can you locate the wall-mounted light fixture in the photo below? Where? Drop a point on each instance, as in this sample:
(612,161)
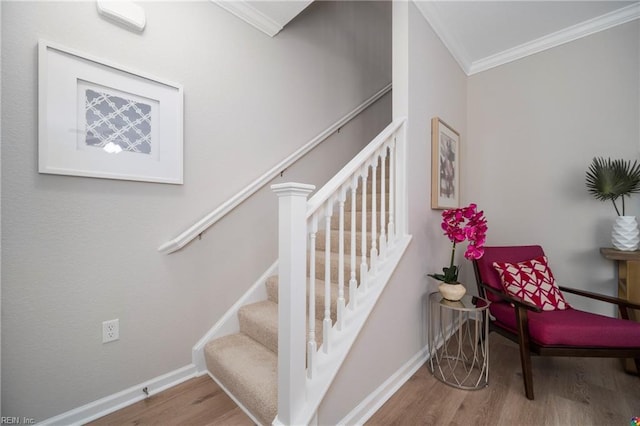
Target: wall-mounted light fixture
(124,12)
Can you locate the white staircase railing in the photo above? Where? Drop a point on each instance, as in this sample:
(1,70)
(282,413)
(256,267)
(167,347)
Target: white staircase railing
(383,238)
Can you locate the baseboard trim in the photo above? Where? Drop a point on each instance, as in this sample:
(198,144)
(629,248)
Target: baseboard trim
(372,403)
(102,407)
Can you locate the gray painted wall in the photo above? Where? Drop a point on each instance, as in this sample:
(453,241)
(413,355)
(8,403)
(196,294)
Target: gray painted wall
(78,251)
(534,127)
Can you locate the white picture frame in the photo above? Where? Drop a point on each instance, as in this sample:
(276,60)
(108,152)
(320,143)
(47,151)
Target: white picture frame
(98,119)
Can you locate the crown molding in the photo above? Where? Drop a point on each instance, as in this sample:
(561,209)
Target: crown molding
(433,17)
(583,29)
(251,15)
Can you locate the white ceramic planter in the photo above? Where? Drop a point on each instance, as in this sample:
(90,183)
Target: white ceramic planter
(452,292)
(625,234)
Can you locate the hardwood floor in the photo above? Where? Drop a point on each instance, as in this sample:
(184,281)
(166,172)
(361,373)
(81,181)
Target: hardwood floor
(198,401)
(569,391)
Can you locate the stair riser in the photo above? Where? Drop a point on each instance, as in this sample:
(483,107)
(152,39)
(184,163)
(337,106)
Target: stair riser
(260,324)
(335,242)
(379,169)
(335,220)
(320,268)
(272,293)
(348,202)
(265,331)
(380,184)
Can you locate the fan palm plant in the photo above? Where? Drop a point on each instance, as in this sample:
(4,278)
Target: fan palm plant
(612,179)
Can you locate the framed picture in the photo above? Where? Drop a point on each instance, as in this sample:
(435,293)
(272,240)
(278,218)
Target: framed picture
(100,120)
(445,165)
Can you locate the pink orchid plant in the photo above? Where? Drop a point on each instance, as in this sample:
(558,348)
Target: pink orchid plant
(465,223)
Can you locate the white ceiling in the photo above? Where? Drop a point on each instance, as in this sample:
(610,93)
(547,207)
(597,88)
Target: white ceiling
(485,34)
(479,34)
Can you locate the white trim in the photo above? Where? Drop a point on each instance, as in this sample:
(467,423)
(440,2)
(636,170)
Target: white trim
(229,322)
(102,407)
(574,32)
(203,224)
(251,15)
(430,13)
(583,29)
(372,403)
(330,188)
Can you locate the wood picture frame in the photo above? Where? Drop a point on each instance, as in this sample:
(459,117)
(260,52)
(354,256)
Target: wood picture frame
(98,119)
(445,165)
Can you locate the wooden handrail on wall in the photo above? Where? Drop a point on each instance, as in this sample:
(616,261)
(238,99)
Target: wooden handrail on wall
(203,224)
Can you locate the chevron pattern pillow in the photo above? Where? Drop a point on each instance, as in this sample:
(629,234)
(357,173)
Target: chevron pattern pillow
(533,282)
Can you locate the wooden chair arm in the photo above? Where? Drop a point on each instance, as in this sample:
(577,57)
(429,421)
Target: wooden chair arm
(623,305)
(511,299)
(601,297)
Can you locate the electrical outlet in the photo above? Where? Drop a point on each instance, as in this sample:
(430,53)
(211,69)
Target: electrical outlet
(110,330)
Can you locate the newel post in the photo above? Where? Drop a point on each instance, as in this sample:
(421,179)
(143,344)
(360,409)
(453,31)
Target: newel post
(292,255)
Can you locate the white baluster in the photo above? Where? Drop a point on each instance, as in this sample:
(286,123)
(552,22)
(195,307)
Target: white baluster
(312,345)
(373,259)
(326,323)
(292,249)
(363,231)
(391,233)
(340,301)
(353,283)
(400,197)
(383,195)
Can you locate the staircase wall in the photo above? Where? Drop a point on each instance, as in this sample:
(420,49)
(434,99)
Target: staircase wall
(78,251)
(427,82)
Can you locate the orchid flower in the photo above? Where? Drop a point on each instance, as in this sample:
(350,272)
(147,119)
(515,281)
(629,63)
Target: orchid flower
(459,225)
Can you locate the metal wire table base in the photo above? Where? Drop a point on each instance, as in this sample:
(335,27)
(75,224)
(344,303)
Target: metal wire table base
(458,345)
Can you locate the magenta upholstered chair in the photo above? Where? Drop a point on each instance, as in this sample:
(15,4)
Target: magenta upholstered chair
(553,332)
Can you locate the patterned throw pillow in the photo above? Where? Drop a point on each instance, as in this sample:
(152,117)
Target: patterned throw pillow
(533,282)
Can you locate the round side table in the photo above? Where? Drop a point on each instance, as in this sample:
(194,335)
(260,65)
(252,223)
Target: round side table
(458,335)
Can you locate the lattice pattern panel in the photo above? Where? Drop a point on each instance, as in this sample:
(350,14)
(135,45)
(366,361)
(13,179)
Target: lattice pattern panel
(117,123)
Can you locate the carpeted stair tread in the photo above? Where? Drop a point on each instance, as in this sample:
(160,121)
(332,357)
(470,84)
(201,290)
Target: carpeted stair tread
(260,322)
(248,370)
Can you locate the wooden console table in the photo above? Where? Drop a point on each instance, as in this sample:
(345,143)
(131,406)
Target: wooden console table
(628,283)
